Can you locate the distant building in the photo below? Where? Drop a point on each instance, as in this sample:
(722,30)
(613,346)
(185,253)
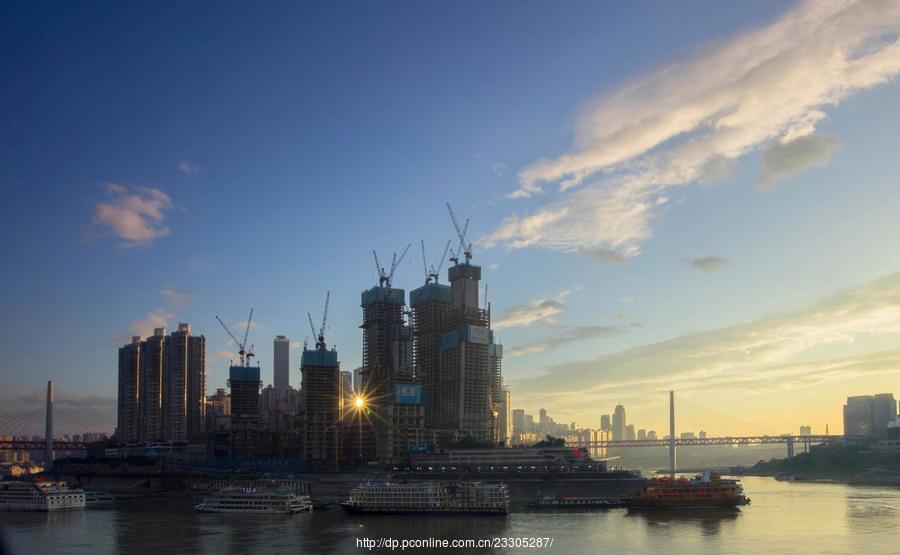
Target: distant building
(542,422)
(618,423)
(651,434)
(885,410)
(152,367)
(702,434)
(282,363)
(859,416)
(357,380)
(805,430)
(629,432)
(506,420)
(530,428)
(642,434)
(184,386)
(605,424)
(347,392)
(687,435)
(518,423)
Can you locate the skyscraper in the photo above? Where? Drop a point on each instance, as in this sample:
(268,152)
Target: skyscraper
(391,387)
(469,371)
(320,393)
(282,363)
(129,422)
(518,423)
(152,376)
(605,424)
(618,423)
(184,385)
(429,308)
(506,421)
(244,383)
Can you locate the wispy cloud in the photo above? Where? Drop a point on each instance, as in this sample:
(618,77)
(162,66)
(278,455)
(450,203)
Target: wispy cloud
(133,214)
(157,318)
(709,263)
(754,356)
(535,311)
(187,168)
(177,298)
(499,168)
(569,335)
(685,122)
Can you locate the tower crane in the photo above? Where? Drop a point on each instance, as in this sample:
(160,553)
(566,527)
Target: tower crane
(320,343)
(245,354)
(385,279)
(461,233)
(432,273)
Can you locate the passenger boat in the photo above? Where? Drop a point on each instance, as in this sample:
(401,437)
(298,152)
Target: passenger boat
(706,491)
(256,500)
(429,497)
(556,501)
(39,496)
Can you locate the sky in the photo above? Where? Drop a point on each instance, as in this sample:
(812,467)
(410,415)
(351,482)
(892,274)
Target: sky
(698,196)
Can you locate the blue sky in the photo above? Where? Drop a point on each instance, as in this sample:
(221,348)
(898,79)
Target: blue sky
(673,171)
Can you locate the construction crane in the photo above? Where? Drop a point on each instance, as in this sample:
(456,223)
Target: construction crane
(320,343)
(243,353)
(461,233)
(385,279)
(432,273)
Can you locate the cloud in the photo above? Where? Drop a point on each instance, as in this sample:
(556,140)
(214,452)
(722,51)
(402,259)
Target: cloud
(296,345)
(133,214)
(781,160)
(499,168)
(709,263)
(176,298)
(225,355)
(532,312)
(158,318)
(609,256)
(187,168)
(570,335)
(778,351)
(685,122)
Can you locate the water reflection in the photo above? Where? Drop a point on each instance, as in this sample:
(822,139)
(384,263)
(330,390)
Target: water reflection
(709,521)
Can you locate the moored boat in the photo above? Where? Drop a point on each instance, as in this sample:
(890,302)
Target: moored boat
(706,491)
(429,497)
(557,501)
(39,496)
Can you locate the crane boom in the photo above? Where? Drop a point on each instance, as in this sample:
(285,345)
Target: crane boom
(247,330)
(395,263)
(436,274)
(381,276)
(425,263)
(324,321)
(240,345)
(311,325)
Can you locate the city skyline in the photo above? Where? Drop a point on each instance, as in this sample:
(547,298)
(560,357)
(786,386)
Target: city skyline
(737,252)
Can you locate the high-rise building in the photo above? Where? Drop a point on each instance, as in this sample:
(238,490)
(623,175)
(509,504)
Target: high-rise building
(152,377)
(429,308)
(320,393)
(468,388)
(282,363)
(542,419)
(129,420)
(269,412)
(651,434)
(357,379)
(805,430)
(629,432)
(885,410)
(391,387)
(642,434)
(605,424)
(244,383)
(347,392)
(184,385)
(618,423)
(859,416)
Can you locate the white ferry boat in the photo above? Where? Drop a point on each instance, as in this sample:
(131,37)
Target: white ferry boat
(429,497)
(39,496)
(256,500)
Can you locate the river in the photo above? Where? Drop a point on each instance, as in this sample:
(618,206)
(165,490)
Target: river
(782,518)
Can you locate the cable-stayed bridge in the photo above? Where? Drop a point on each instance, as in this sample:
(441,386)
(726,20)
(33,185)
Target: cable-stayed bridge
(42,414)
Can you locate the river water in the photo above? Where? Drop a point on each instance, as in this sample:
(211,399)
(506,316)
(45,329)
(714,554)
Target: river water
(782,518)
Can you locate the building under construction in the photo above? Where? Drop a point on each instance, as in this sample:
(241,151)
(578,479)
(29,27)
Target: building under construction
(244,383)
(390,387)
(320,394)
